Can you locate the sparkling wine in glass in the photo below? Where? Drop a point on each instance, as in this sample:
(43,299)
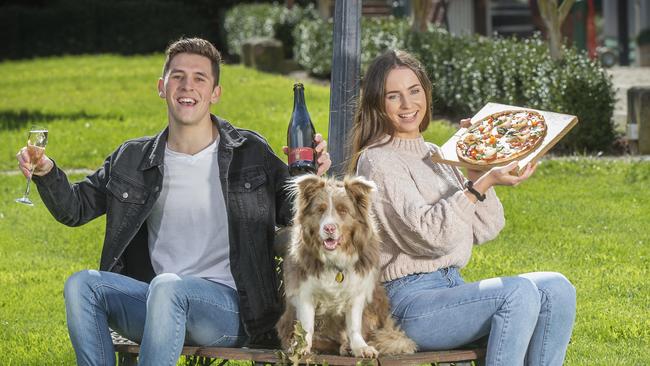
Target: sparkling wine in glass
(36,142)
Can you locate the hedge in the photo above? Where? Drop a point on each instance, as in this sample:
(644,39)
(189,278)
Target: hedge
(644,37)
(313,47)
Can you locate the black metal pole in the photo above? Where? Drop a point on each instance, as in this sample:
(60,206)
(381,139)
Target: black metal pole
(344,89)
(623,34)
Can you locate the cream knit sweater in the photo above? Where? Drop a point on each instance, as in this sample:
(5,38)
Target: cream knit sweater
(425,220)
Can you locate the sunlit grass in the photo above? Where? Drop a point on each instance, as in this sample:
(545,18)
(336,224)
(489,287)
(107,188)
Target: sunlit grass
(585,218)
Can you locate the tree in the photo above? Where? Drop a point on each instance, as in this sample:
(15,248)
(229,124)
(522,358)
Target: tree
(420,11)
(553,16)
(325,8)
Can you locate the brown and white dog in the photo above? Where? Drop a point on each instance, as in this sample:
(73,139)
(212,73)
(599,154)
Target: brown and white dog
(331,273)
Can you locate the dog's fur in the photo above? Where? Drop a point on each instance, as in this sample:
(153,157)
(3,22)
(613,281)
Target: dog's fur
(334,232)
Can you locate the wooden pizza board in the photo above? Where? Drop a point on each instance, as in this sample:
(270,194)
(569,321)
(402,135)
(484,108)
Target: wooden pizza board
(557,126)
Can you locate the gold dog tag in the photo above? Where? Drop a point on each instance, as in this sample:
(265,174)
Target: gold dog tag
(340,277)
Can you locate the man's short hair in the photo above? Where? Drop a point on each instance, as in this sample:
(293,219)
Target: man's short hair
(197,46)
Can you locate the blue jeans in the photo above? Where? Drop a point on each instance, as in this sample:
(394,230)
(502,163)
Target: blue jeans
(528,318)
(162,316)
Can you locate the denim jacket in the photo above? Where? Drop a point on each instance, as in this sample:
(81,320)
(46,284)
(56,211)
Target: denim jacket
(125,188)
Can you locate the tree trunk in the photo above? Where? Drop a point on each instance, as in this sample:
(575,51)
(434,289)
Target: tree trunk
(420,10)
(555,41)
(325,8)
(553,16)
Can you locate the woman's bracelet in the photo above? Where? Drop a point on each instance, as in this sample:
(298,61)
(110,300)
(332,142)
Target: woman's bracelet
(470,188)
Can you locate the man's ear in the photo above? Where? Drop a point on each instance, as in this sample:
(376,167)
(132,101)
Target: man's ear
(216,94)
(161,88)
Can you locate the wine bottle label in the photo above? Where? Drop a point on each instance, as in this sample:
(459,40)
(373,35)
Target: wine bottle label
(301,154)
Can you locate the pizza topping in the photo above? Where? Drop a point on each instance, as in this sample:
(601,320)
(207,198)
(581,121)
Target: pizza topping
(469,138)
(499,137)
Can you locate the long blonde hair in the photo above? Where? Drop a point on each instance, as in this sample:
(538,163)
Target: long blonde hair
(371,122)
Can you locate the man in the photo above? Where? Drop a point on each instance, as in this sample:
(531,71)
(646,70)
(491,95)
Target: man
(190,221)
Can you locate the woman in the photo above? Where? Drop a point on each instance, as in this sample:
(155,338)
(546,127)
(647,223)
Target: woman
(430,216)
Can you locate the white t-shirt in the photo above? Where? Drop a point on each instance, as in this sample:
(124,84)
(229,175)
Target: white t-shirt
(188,226)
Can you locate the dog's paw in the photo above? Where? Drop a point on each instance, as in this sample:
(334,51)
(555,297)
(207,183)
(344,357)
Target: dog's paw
(365,352)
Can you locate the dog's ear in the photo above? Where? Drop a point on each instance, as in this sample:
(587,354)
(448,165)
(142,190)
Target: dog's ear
(307,185)
(360,190)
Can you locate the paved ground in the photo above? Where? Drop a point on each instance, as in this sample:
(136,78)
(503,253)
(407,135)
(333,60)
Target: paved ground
(623,79)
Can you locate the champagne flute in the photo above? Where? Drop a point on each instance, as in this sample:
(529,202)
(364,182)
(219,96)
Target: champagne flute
(36,141)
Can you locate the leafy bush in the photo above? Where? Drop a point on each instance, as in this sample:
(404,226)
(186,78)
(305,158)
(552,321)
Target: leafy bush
(379,35)
(644,37)
(264,20)
(313,47)
(582,88)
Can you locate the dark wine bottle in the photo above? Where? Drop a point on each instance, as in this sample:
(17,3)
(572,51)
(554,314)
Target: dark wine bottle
(300,136)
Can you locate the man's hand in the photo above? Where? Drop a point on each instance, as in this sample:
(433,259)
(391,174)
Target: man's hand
(42,167)
(322,156)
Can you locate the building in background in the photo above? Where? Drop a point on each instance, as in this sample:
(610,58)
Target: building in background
(593,25)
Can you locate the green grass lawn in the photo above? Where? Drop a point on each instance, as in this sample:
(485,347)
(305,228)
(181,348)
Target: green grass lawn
(585,218)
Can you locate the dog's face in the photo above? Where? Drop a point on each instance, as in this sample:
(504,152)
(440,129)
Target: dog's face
(332,212)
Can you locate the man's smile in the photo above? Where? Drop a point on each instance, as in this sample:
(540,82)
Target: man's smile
(186,101)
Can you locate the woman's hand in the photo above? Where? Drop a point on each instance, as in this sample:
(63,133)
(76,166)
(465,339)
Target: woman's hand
(322,156)
(501,176)
(498,176)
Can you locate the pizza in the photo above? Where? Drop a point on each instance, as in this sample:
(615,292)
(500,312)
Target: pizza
(501,137)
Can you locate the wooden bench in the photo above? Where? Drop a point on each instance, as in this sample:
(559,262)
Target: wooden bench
(209,356)
(204,356)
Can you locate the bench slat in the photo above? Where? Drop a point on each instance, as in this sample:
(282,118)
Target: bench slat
(271,356)
(429,357)
(250,354)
